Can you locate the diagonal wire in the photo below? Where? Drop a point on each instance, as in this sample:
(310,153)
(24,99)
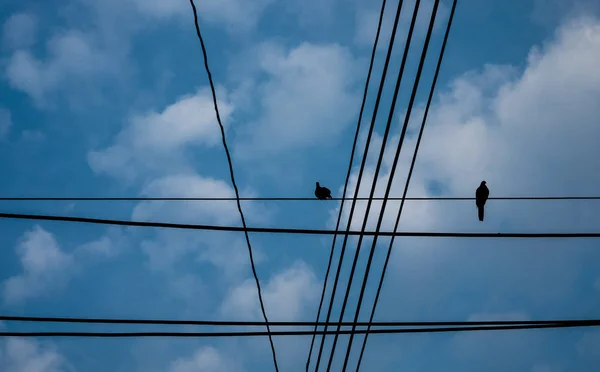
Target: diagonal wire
(360,174)
(237,194)
(337,225)
(392,171)
(376,174)
(412,166)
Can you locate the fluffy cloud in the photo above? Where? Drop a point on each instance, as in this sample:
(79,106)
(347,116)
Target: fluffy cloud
(5,122)
(19,30)
(307,100)
(237,15)
(206,359)
(19,355)
(286,295)
(72,57)
(45,267)
(153,141)
(491,126)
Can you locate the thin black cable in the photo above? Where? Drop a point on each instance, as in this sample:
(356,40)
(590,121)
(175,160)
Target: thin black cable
(376,174)
(34,319)
(142,198)
(348,173)
(360,174)
(412,165)
(392,170)
(292,231)
(237,194)
(593,323)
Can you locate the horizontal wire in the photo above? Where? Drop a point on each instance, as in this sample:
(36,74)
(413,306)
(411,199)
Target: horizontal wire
(279,323)
(142,198)
(293,231)
(591,323)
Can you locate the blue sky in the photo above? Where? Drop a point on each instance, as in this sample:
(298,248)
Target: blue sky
(111,99)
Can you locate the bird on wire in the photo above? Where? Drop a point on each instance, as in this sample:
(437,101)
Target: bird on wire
(322,193)
(481,196)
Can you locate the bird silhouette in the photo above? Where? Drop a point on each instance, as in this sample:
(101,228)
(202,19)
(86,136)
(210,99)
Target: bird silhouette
(322,193)
(481,196)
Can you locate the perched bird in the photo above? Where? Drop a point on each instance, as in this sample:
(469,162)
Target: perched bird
(481,196)
(322,192)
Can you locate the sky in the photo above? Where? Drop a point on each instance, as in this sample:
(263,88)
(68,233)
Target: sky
(111,98)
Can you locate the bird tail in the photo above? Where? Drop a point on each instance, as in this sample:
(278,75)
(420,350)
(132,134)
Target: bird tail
(480,212)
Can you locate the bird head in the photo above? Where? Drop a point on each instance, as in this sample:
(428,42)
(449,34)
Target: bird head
(318,185)
(482,183)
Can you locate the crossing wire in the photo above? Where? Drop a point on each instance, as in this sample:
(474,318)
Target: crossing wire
(412,165)
(237,194)
(360,174)
(208,198)
(348,173)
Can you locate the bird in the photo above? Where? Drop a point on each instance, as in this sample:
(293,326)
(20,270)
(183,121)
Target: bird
(481,196)
(322,193)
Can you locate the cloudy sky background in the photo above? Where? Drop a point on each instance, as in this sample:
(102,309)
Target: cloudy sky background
(110,98)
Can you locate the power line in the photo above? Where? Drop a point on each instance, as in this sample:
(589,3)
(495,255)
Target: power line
(591,323)
(295,231)
(412,165)
(360,174)
(33,319)
(208,198)
(392,172)
(376,176)
(237,194)
(348,173)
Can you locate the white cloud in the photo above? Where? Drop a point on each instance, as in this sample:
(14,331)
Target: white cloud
(151,141)
(108,246)
(45,267)
(286,295)
(5,122)
(508,129)
(19,31)
(20,355)
(208,359)
(307,100)
(72,57)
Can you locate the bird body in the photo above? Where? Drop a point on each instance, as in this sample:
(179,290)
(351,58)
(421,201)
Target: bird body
(481,195)
(322,193)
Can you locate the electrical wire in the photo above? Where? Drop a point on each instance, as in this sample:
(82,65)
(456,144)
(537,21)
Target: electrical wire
(34,319)
(272,230)
(360,174)
(591,323)
(392,171)
(348,173)
(208,198)
(376,174)
(237,194)
(412,165)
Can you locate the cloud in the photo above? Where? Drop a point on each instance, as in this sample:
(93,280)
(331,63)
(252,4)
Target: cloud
(5,122)
(108,246)
(151,142)
(19,31)
(507,128)
(307,100)
(286,295)
(235,15)
(207,359)
(46,267)
(19,355)
(72,58)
